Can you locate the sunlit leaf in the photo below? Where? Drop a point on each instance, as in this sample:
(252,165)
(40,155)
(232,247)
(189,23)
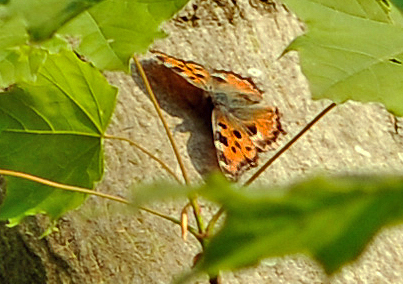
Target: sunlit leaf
(18,62)
(111,32)
(398,3)
(330,219)
(43,17)
(352,50)
(53,129)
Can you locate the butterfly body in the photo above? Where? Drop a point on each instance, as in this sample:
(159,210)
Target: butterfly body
(241,125)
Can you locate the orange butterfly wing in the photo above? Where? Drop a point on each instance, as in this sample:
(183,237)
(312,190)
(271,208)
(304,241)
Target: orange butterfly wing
(262,123)
(194,73)
(235,150)
(238,88)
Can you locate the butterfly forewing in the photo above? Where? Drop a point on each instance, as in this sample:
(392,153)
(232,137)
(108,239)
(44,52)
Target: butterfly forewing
(236,86)
(192,72)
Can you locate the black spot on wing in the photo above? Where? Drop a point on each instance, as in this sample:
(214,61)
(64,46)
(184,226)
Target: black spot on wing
(252,129)
(222,125)
(200,75)
(178,69)
(237,134)
(221,138)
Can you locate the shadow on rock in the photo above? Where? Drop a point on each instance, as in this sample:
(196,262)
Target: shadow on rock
(181,99)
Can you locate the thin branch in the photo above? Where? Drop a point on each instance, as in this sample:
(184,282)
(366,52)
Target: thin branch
(78,189)
(289,144)
(192,230)
(193,201)
(62,186)
(161,117)
(145,151)
(198,216)
(213,221)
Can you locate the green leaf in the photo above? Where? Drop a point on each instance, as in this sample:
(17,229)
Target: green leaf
(331,219)
(111,32)
(55,44)
(352,50)
(44,17)
(398,3)
(161,191)
(19,19)
(53,129)
(18,62)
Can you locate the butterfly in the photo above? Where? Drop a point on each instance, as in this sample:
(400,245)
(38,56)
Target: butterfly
(242,127)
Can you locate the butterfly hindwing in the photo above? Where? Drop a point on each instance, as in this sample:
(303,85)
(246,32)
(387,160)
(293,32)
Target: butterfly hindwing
(262,123)
(235,150)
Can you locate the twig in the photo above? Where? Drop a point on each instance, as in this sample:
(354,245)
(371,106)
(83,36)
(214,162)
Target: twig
(62,186)
(78,189)
(161,117)
(289,144)
(190,229)
(213,221)
(193,201)
(145,151)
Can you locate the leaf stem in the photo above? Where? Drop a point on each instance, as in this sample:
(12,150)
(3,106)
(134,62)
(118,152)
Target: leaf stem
(289,144)
(161,117)
(192,230)
(145,151)
(213,221)
(62,186)
(198,217)
(83,190)
(193,200)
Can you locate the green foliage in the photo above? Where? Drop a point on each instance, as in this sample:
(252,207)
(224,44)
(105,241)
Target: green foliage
(331,219)
(43,17)
(328,218)
(53,118)
(352,50)
(398,3)
(53,129)
(108,33)
(18,62)
(112,31)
